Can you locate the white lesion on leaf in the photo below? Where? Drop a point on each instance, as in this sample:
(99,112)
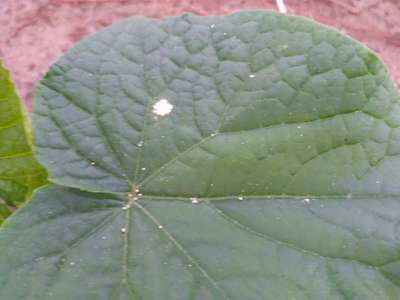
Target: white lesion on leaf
(162,107)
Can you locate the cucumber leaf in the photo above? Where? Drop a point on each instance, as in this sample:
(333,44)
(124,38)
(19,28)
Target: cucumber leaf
(250,156)
(20,173)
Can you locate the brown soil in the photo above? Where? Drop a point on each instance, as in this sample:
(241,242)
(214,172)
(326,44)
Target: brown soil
(34,33)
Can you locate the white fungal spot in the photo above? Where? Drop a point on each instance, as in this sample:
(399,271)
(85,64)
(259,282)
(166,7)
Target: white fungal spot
(140,144)
(240,198)
(92,163)
(72,263)
(190,265)
(281,6)
(212,25)
(306,200)
(298,127)
(213,134)
(252,75)
(143,169)
(123,230)
(377,182)
(194,200)
(160,227)
(162,107)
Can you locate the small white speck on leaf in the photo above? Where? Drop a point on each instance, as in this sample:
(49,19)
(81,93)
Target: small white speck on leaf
(212,25)
(162,107)
(194,200)
(160,227)
(377,182)
(190,265)
(240,198)
(140,144)
(298,127)
(306,200)
(92,163)
(143,169)
(213,134)
(126,207)
(252,75)
(72,263)
(123,230)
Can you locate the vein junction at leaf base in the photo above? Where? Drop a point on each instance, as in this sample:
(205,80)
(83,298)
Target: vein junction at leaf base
(250,156)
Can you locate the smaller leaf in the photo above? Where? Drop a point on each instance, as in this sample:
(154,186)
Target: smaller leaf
(20,173)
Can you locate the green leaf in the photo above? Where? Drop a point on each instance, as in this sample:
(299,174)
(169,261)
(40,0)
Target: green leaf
(250,156)
(20,173)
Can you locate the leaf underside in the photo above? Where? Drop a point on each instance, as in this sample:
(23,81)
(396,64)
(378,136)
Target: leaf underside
(20,173)
(250,156)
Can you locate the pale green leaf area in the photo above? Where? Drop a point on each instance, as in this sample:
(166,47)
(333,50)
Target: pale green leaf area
(20,173)
(245,157)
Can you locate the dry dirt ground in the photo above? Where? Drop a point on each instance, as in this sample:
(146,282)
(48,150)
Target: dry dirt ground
(34,33)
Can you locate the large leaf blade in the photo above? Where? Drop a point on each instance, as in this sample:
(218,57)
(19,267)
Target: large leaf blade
(302,91)
(251,156)
(254,248)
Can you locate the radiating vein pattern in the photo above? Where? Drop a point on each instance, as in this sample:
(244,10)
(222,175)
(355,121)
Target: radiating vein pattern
(251,156)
